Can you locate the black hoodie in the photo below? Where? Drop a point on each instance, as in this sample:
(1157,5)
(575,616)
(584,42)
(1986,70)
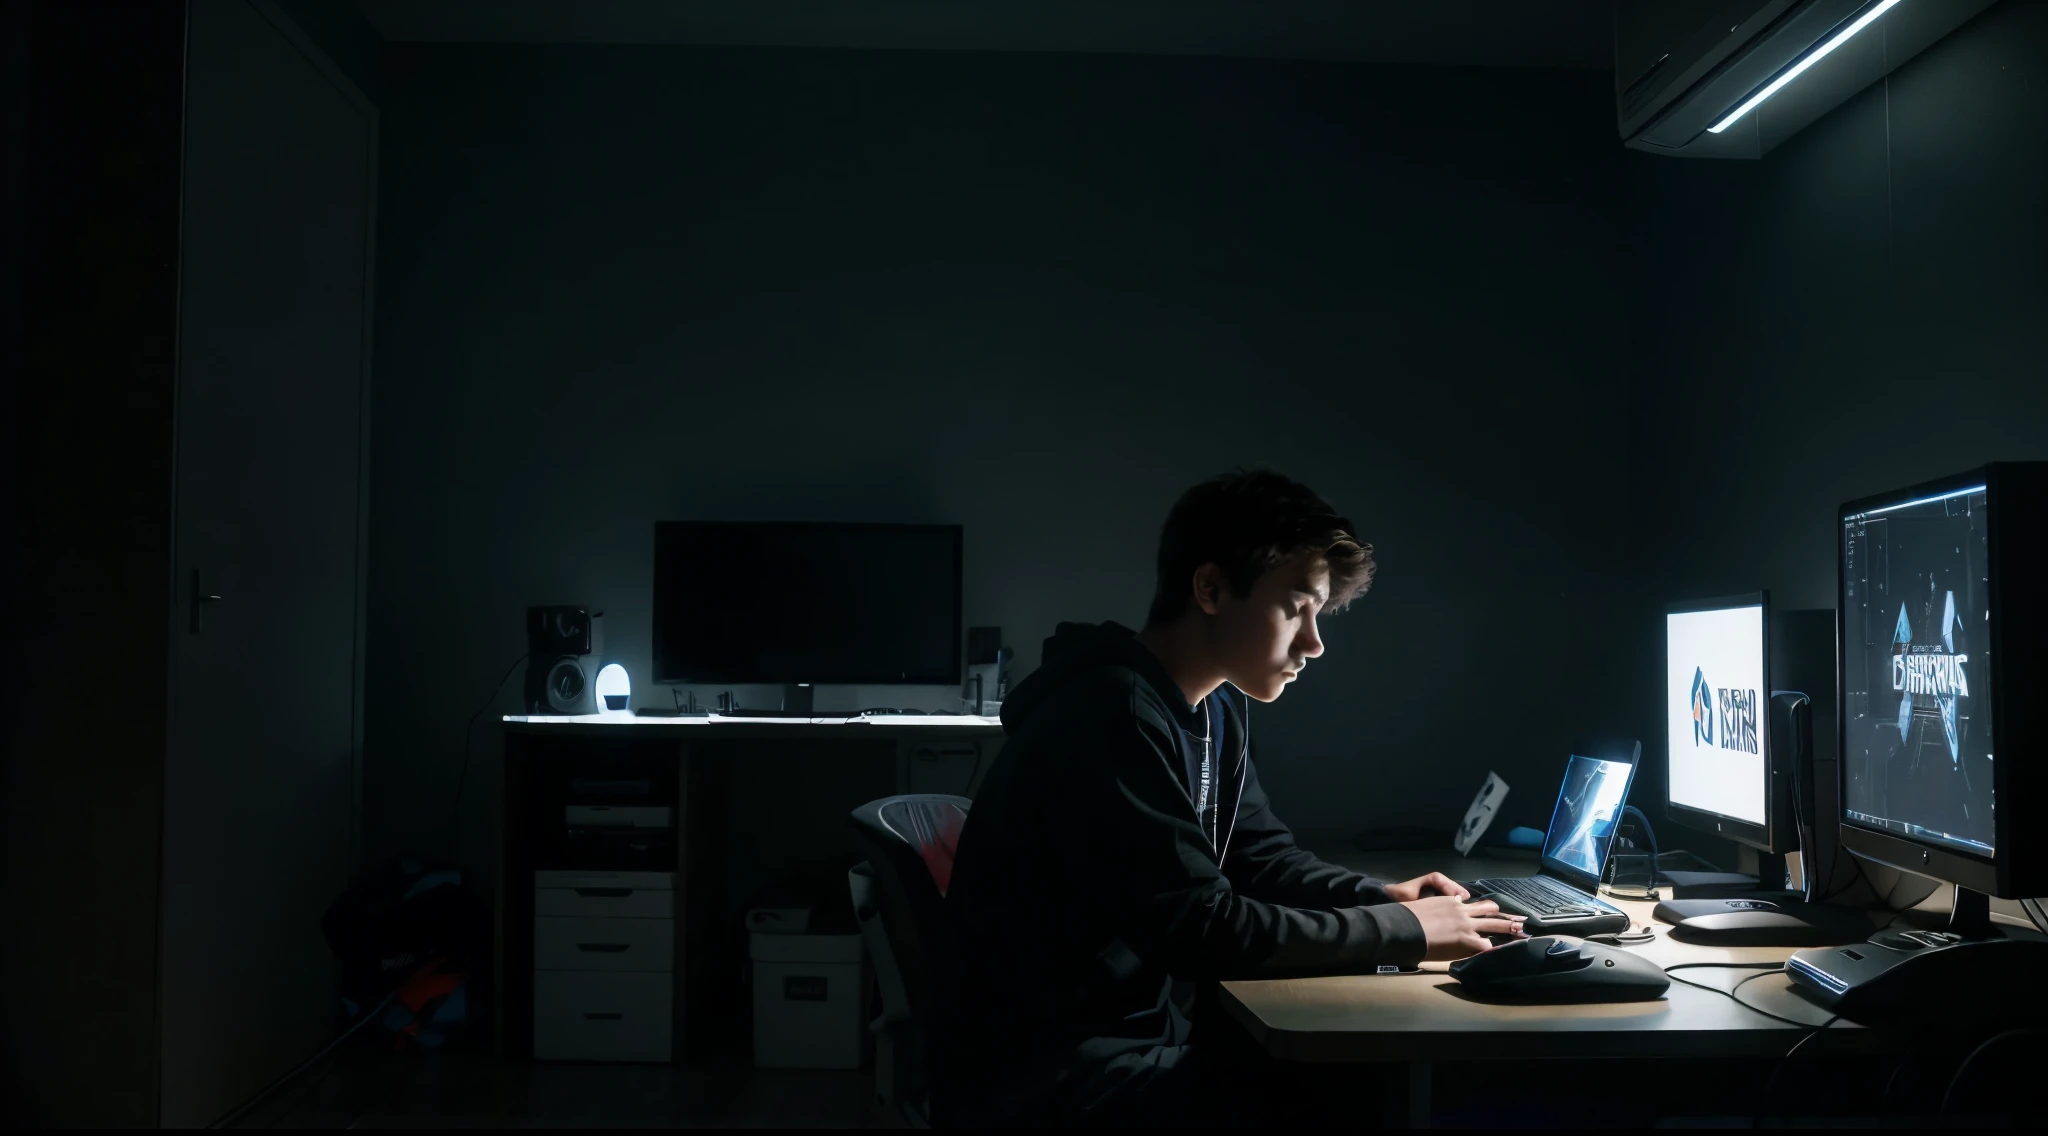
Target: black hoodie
(1086,883)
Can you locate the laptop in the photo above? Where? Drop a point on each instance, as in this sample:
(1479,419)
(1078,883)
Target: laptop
(1564,897)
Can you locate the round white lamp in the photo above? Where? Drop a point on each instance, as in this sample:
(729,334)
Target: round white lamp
(613,687)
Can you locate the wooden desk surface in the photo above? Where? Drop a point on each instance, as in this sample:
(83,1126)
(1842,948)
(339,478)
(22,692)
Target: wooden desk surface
(1429,1017)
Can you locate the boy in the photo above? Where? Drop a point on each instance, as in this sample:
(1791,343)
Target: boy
(1121,848)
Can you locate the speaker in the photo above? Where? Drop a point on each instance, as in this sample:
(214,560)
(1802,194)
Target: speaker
(1805,731)
(565,646)
(1815,796)
(987,672)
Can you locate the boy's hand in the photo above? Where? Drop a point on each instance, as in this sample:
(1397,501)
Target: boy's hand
(1435,883)
(1455,928)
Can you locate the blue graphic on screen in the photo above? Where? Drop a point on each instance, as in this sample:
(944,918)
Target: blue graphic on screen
(1902,641)
(1702,708)
(1916,670)
(1587,807)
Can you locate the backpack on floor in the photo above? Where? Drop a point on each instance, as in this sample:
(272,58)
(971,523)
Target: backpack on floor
(411,928)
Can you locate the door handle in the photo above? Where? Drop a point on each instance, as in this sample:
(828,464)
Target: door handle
(200,599)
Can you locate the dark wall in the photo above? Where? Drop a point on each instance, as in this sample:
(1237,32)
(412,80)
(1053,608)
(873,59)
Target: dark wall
(1033,294)
(81,776)
(1865,308)
(16,34)
(348,40)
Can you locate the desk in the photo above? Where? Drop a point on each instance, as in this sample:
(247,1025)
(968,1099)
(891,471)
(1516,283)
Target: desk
(754,798)
(1420,1020)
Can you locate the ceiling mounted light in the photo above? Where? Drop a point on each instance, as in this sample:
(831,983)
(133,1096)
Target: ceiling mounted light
(1809,59)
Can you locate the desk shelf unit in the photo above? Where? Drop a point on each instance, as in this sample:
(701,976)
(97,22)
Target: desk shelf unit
(622,943)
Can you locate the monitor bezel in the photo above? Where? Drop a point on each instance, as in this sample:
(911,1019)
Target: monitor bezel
(1765,837)
(1624,750)
(664,669)
(1991,874)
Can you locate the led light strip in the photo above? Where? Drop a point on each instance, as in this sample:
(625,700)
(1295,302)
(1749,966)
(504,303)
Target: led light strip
(1919,501)
(1798,68)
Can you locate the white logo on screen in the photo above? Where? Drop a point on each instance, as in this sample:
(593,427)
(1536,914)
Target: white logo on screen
(1936,674)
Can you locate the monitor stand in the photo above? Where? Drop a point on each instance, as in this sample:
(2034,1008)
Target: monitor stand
(1968,918)
(796,703)
(1735,916)
(1733,885)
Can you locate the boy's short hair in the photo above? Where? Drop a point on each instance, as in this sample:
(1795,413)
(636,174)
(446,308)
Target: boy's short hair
(1247,522)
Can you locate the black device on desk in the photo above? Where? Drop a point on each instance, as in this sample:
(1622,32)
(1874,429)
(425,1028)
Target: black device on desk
(1563,897)
(1555,969)
(678,709)
(1941,616)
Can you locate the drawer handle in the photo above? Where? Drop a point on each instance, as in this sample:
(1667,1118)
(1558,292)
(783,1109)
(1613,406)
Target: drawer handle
(602,948)
(604,1017)
(604,893)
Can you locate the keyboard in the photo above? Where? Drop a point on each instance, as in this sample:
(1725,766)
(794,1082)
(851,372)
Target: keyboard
(1541,896)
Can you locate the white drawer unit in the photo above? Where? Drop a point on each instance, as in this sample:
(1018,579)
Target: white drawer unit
(589,1015)
(604,902)
(604,944)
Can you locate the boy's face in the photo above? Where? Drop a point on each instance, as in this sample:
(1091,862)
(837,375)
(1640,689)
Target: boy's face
(1265,639)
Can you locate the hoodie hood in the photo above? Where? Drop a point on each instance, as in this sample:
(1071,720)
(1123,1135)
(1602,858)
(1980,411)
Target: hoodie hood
(1078,648)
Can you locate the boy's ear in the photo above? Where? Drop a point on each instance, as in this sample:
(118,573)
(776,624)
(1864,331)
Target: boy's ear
(1208,585)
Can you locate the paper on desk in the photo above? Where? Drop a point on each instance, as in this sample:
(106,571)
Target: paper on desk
(1484,806)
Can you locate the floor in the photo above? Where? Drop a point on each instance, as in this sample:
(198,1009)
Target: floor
(366,1086)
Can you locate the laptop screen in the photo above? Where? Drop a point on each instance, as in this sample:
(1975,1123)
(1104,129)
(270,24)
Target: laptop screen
(1588,805)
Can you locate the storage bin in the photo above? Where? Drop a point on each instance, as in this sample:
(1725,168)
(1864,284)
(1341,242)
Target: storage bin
(810,1001)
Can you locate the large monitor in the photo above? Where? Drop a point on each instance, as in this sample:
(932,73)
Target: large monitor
(1942,608)
(873,604)
(1721,769)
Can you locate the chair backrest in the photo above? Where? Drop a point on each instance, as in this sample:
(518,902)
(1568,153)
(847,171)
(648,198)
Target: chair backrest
(910,841)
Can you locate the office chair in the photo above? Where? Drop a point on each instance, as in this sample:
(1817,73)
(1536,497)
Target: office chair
(899,898)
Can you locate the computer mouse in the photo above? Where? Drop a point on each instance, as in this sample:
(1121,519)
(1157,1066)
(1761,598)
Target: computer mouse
(1550,968)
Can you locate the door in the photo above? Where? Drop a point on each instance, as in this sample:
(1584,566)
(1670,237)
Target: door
(260,776)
